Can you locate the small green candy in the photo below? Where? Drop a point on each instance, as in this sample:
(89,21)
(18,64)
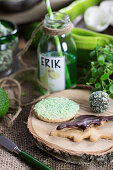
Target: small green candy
(99,101)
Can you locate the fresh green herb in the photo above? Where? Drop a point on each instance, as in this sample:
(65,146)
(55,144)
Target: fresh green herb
(100,74)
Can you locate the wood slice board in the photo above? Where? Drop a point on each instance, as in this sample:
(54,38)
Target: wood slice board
(65,149)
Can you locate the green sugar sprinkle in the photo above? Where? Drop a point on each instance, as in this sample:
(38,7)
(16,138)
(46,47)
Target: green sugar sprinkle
(56,108)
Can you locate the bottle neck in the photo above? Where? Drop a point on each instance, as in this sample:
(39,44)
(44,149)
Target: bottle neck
(57,21)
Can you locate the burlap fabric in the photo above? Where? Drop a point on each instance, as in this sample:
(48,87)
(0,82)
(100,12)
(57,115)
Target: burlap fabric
(19,134)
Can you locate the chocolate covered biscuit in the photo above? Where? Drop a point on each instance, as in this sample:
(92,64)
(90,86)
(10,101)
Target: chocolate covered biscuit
(85,121)
(77,135)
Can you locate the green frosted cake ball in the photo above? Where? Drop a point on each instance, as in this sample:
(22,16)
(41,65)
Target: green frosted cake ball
(99,101)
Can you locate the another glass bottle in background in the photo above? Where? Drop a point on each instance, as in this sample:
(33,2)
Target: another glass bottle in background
(57,72)
(8,47)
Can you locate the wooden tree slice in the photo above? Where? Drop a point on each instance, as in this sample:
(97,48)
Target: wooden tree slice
(65,149)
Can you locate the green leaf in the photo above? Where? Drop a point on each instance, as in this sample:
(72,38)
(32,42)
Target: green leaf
(93,71)
(109,58)
(106,51)
(100,70)
(111,88)
(98,47)
(92,53)
(109,72)
(101,59)
(97,85)
(111,95)
(104,90)
(92,63)
(95,75)
(91,80)
(84,71)
(104,76)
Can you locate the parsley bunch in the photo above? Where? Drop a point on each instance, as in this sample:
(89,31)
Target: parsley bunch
(100,74)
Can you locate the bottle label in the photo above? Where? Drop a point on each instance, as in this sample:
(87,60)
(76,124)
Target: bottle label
(52,72)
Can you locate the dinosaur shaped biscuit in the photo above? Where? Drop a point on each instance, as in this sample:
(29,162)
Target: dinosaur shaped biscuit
(77,135)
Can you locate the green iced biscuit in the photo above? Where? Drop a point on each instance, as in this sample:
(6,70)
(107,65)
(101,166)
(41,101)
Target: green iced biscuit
(56,109)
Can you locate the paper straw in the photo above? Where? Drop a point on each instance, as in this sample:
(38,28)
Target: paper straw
(57,42)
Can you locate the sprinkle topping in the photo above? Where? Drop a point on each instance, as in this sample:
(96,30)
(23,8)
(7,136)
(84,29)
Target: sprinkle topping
(99,101)
(56,108)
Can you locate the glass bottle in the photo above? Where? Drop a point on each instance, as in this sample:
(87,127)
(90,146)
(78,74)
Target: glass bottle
(57,72)
(8,47)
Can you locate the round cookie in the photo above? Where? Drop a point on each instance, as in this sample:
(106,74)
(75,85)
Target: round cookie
(56,109)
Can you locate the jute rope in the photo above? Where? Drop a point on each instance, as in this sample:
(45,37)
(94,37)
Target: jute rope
(52,31)
(22,52)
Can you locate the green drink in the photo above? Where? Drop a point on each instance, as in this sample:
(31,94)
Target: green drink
(71,62)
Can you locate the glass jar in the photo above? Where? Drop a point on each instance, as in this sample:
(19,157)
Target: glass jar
(57,72)
(8,47)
